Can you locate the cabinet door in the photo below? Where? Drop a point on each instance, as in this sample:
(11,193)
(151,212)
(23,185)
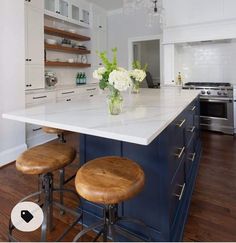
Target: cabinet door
(64,8)
(36,4)
(75,12)
(35,36)
(50,5)
(34,77)
(84,15)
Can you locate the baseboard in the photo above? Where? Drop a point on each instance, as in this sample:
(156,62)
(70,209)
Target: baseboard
(10,155)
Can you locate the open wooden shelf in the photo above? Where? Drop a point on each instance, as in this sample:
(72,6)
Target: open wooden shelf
(65,34)
(60,48)
(66,64)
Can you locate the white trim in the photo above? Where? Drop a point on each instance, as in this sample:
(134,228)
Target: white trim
(7,156)
(145,38)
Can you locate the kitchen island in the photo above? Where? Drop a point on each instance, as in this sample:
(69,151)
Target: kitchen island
(159,129)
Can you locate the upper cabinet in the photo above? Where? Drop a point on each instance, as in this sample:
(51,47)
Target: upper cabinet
(34,43)
(72,11)
(34,4)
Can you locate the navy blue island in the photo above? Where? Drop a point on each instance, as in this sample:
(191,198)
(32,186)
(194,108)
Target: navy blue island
(159,129)
(170,163)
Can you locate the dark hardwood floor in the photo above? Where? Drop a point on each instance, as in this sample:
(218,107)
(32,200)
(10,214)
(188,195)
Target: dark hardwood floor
(213,210)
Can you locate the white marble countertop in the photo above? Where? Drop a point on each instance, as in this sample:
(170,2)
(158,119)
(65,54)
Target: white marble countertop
(144,115)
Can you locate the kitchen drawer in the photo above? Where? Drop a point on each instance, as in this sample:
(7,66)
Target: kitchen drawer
(177,192)
(177,151)
(37,99)
(33,130)
(66,93)
(88,90)
(190,157)
(68,98)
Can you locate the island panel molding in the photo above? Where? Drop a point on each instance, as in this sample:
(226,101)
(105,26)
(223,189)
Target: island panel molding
(143,118)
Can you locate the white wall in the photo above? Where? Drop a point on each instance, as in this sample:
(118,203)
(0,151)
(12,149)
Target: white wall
(207,62)
(12,82)
(121,27)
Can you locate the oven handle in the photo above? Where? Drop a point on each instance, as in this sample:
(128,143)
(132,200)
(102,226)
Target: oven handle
(222,100)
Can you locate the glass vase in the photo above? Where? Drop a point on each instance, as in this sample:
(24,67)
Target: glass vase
(115,103)
(135,87)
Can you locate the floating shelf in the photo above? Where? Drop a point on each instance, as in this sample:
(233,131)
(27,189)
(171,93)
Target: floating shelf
(60,48)
(65,34)
(66,64)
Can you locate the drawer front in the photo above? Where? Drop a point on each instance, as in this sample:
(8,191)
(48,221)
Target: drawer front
(33,130)
(177,192)
(36,99)
(66,93)
(67,98)
(190,157)
(88,90)
(178,147)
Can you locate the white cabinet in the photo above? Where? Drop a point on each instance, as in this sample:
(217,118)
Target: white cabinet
(34,46)
(99,34)
(34,133)
(34,4)
(74,11)
(169,64)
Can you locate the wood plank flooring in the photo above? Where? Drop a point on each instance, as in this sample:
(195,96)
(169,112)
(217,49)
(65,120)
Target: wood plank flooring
(213,209)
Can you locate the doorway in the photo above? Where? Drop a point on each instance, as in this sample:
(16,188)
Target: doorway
(147,51)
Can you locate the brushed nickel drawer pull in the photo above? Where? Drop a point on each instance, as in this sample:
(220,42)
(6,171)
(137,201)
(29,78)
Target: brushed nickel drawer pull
(37,129)
(180,153)
(91,89)
(194,108)
(39,97)
(71,92)
(181,124)
(192,129)
(193,157)
(181,193)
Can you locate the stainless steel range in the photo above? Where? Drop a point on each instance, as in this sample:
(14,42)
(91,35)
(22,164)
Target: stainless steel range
(216,106)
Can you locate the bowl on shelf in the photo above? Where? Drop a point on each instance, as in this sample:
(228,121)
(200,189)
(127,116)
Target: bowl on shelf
(71,60)
(72,31)
(51,41)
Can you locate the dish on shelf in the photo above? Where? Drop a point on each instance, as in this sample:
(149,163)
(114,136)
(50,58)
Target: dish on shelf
(72,31)
(51,41)
(71,60)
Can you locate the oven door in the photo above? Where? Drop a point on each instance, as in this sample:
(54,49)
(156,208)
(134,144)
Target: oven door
(217,114)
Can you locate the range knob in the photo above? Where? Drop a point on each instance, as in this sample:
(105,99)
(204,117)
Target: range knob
(225,93)
(208,92)
(219,93)
(203,92)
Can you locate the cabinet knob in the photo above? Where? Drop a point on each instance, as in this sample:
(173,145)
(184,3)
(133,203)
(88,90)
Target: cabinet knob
(27,59)
(82,21)
(100,26)
(30,60)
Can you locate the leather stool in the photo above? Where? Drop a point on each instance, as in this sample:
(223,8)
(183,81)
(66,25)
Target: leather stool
(42,160)
(60,133)
(110,181)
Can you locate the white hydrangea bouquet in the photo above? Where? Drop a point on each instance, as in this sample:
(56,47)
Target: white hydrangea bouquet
(138,74)
(115,78)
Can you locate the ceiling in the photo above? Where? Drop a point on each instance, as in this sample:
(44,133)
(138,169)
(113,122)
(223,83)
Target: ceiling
(108,4)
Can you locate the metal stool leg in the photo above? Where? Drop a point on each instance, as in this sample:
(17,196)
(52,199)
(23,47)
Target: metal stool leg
(61,184)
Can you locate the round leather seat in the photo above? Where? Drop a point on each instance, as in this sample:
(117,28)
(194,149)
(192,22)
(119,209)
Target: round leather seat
(52,130)
(45,158)
(109,180)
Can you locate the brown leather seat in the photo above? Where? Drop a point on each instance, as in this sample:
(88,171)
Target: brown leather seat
(109,180)
(45,158)
(52,130)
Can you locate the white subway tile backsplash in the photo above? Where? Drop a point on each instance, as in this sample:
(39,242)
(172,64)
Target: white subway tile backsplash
(211,62)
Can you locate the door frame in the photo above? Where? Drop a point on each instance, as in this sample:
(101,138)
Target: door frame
(145,38)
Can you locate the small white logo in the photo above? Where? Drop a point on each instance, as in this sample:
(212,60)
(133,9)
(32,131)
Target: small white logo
(27,216)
